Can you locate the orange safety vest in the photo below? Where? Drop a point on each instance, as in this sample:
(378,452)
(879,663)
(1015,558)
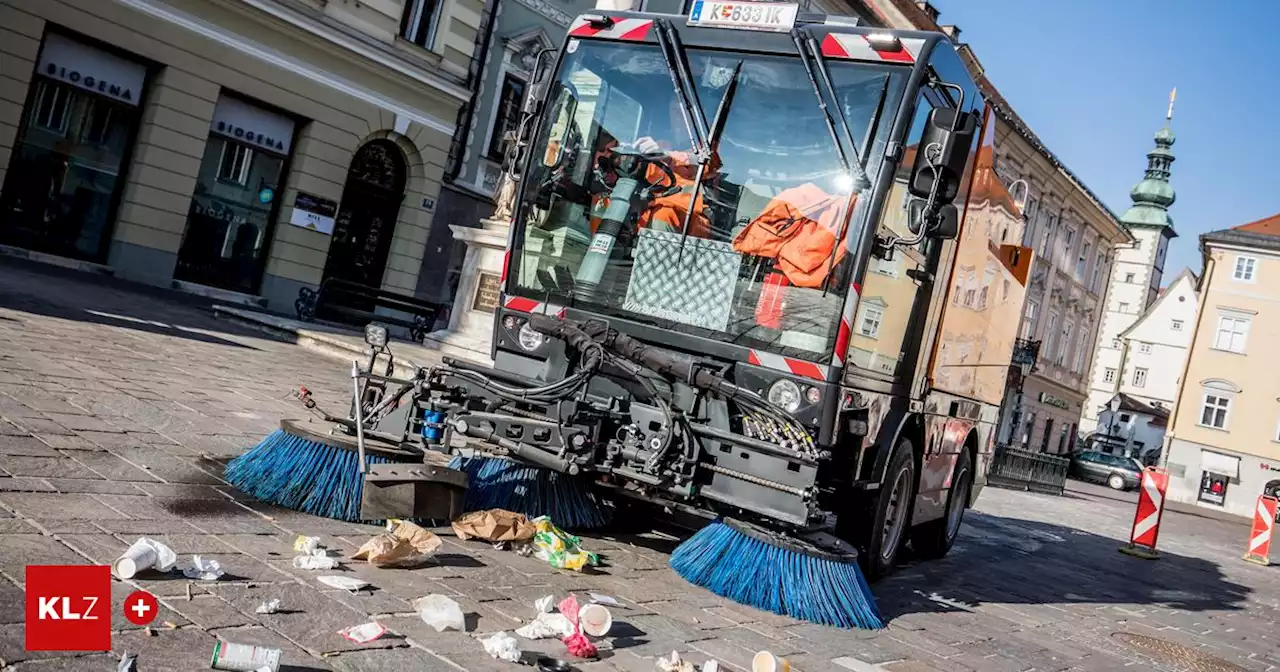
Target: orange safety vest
(670,210)
(798,230)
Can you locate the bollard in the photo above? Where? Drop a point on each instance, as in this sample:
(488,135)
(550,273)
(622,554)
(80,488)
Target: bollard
(1264,519)
(1146,520)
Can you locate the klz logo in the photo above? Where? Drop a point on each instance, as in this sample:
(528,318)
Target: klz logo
(68,608)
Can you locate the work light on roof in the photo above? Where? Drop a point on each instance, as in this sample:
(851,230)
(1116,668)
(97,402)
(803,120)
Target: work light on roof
(884,42)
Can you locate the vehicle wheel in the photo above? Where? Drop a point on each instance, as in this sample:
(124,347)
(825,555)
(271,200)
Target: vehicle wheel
(936,537)
(1115,482)
(891,514)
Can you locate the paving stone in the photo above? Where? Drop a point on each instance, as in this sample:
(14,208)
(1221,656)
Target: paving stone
(393,660)
(9,525)
(81,423)
(375,603)
(12,604)
(120,591)
(13,647)
(111,467)
(90,486)
(69,442)
(312,619)
(182,649)
(26,445)
(208,611)
(56,467)
(85,663)
(24,484)
(129,529)
(103,549)
(182,491)
(19,550)
(40,426)
(45,506)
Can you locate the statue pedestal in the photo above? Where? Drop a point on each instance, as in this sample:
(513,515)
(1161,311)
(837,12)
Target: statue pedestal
(470,332)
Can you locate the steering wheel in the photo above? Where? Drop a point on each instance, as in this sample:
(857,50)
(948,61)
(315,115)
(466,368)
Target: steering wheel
(633,163)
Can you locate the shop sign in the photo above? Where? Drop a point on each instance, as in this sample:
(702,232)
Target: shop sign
(1049,399)
(313,212)
(254,126)
(91,69)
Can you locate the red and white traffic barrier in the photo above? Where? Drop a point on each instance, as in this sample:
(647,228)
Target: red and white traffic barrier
(1264,520)
(1146,521)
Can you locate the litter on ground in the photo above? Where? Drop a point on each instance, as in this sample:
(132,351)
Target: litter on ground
(441,613)
(203,570)
(502,646)
(363,634)
(559,548)
(494,525)
(342,582)
(402,545)
(269,607)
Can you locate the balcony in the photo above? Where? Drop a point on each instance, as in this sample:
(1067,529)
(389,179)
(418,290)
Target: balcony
(1025,351)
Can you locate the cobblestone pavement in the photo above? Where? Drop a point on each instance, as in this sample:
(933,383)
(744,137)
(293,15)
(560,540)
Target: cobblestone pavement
(119,407)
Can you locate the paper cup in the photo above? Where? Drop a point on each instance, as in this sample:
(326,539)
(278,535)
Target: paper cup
(595,620)
(138,558)
(767,662)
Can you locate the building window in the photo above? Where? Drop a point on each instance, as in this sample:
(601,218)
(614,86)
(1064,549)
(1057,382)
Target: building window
(1213,488)
(510,99)
(1144,348)
(1051,331)
(1129,277)
(1064,342)
(871,317)
(1109,375)
(1082,263)
(1048,431)
(1176,325)
(234,162)
(1082,353)
(1124,307)
(418,24)
(1097,272)
(1214,409)
(1245,269)
(1029,322)
(1139,377)
(1232,333)
(52,107)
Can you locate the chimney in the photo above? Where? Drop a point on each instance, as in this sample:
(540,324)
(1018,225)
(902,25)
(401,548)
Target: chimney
(952,32)
(928,8)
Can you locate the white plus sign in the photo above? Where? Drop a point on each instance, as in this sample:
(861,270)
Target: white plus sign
(141,608)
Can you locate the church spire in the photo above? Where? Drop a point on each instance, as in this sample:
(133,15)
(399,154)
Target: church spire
(1153,195)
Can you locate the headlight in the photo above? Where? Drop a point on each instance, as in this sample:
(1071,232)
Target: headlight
(375,335)
(530,340)
(786,395)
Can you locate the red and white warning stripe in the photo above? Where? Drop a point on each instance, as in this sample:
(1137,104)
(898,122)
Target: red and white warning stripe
(797,367)
(858,48)
(532,306)
(1264,521)
(631,30)
(1146,521)
(845,334)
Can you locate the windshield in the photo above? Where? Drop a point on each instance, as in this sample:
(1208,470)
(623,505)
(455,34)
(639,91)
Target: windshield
(762,260)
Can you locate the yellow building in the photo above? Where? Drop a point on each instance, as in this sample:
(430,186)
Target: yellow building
(242,149)
(1223,444)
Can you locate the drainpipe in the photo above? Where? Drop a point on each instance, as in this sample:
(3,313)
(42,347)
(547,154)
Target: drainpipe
(475,74)
(1209,265)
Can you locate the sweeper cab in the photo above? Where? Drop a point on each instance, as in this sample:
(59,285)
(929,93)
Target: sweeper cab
(760,267)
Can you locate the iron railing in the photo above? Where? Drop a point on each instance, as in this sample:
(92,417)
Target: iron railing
(1026,470)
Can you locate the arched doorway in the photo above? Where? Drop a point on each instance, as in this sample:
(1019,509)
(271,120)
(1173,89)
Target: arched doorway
(366,220)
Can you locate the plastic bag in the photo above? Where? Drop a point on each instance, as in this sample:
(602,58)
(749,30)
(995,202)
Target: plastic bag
(503,647)
(363,634)
(559,548)
(441,613)
(546,626)
(315,562)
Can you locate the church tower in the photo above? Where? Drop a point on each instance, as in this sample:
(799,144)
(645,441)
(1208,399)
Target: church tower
(1137,270)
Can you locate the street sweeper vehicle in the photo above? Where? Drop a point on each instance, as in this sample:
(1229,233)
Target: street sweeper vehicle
(761,272)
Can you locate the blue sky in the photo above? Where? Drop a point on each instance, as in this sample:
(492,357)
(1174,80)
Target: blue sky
(1092,79)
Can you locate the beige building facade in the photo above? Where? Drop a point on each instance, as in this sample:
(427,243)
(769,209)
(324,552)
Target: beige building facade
(1223,444)
(242,149)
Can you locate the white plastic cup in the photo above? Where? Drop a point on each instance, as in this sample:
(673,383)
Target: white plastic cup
(139,557)
(767,662)
(595,620)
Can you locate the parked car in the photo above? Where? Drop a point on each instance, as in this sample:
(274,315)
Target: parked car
(1119,473)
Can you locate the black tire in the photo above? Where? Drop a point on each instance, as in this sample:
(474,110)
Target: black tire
(935,538)
(880,546)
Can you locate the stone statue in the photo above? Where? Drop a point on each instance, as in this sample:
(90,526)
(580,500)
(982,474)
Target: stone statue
(505,195)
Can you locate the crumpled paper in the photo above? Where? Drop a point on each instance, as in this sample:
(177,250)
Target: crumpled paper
(403,545)
(494,525)
(440,612)
(318,559)
(674,663)
(306,545)
(544,604)
(559,548)
(363,634)
(203,570)
(546,626)
(502,646)
(343,582)
(269,607)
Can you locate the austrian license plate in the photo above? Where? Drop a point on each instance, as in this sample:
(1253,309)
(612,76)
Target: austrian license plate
(769,16)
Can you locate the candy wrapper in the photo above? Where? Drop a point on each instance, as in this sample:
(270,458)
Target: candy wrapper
(363,634)
(559,548)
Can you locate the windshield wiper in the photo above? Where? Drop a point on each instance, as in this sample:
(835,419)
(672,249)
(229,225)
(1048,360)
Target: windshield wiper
(713,143)
(686,93)
(811,56)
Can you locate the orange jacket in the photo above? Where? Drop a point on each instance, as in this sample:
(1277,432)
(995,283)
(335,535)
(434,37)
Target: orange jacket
(798,230)
(671,210)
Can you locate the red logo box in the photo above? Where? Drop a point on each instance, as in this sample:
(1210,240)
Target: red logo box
(68,608)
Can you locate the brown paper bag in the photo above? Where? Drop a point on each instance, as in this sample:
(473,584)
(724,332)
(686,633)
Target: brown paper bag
(406,545)
(494,525)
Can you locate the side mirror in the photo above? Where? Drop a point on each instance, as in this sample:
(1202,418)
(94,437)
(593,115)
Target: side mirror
(942,154)
(375,335)
(566,104)
(540,79)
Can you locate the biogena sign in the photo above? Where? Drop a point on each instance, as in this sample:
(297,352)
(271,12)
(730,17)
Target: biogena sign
(262,129)
(89,68)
